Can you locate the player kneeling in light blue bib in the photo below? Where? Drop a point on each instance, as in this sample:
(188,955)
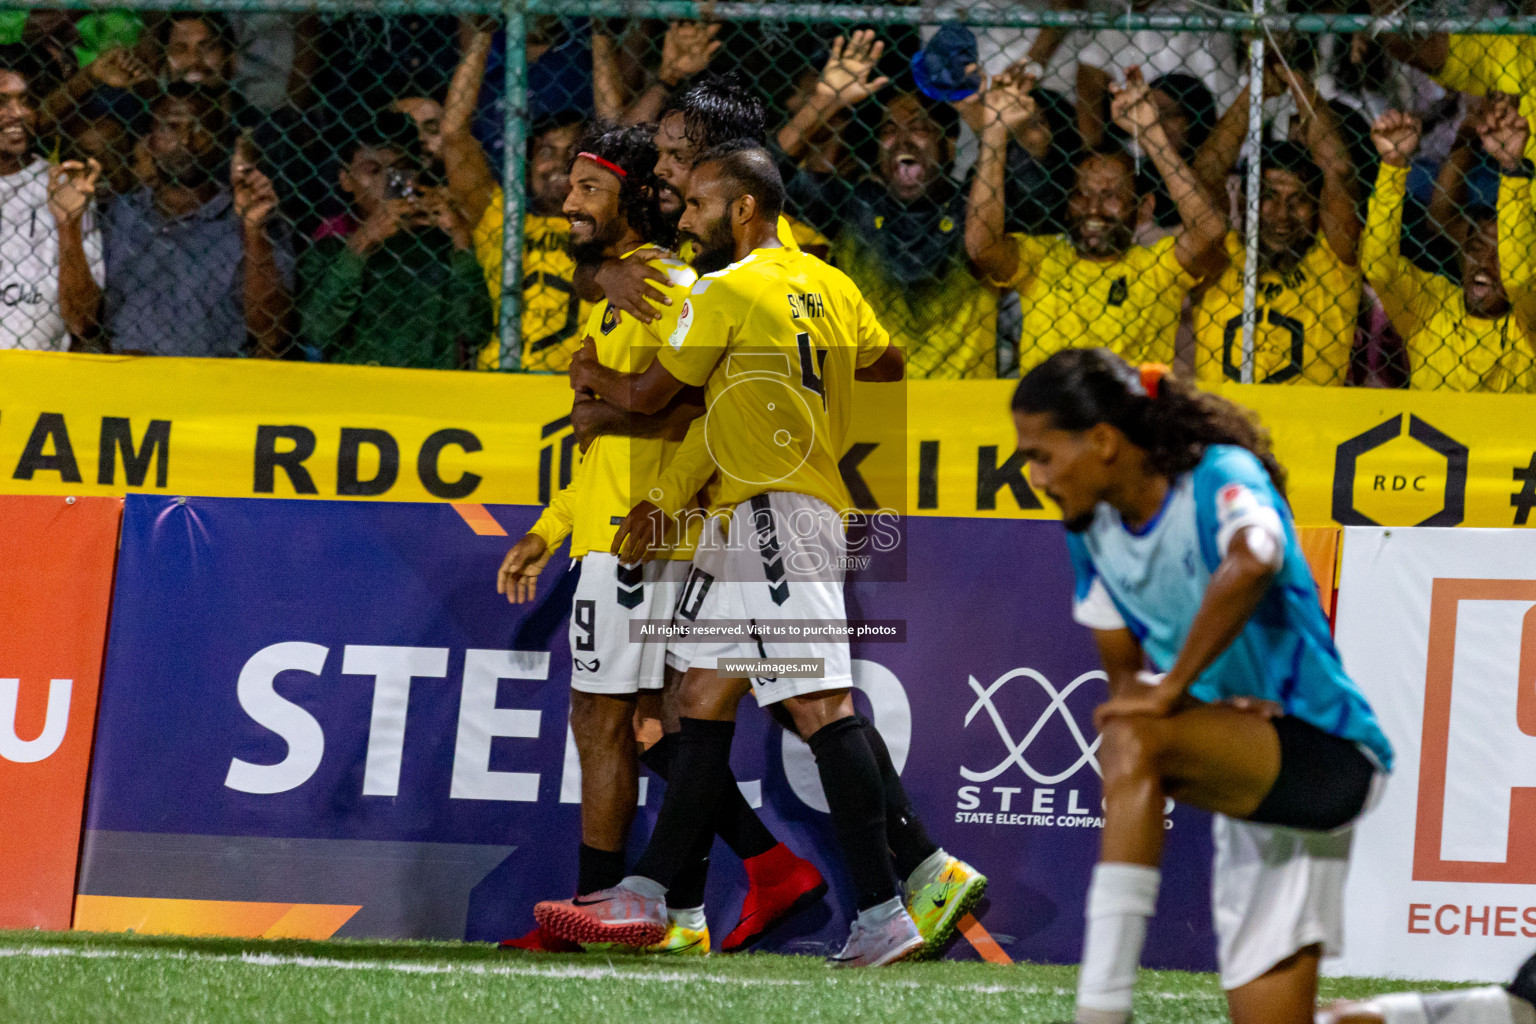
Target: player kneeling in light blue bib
(1187,560)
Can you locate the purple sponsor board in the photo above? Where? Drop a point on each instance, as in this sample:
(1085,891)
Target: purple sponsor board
(327,702)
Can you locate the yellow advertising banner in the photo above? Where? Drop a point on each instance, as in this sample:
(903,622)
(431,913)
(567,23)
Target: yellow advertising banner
(77,424)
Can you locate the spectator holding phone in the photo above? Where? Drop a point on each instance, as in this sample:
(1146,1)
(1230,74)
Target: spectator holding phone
(398,284)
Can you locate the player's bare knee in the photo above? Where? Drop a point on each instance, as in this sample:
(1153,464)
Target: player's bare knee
(600,722)
(1130,751)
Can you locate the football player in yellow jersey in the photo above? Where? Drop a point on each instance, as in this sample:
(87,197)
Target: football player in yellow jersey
(1471,338)
(1094,289)
(712,110)
(1309,229)
(777,339)
(614,681)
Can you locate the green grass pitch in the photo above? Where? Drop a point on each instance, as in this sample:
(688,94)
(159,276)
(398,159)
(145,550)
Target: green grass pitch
(73,977)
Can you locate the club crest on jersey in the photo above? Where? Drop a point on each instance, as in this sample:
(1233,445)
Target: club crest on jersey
(610,319)
(1234,501)
(1118,292)
(684,321)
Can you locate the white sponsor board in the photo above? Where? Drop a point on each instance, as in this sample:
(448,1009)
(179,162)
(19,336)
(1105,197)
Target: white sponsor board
(1438,626)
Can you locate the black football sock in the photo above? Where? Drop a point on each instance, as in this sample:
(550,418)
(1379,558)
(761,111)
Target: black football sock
(736,823)
(597,869)
(700,773)
(687,888)
(909,840)
(856,799)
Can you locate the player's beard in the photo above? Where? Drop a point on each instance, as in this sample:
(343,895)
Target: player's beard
(595,248)
(715,251)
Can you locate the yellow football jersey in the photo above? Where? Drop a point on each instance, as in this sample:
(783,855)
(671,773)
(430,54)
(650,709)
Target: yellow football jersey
(947,326)
(615,471)
(1484,64)
(775,340)
(1130,305)
(1447,349)
(1306,320)
(552,314)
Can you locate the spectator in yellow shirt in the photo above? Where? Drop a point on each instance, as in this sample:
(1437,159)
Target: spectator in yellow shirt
(1094,288)
(1308,295)
(1481,336)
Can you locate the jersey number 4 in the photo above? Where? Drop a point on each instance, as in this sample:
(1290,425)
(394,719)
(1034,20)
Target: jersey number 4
(813,363)
(1233,368)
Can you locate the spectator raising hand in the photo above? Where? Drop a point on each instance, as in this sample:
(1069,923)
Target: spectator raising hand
(1504,133)
(686,49)
(1480,336)
(1396,137)
(845,80)
(71,187)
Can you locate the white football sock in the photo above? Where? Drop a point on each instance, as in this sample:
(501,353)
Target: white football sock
(1121,898)
(880,913)
(928,870)
(691,918)
(1491,1005)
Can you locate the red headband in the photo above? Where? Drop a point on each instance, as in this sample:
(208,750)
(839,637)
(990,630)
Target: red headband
(1152,375)
(605,164)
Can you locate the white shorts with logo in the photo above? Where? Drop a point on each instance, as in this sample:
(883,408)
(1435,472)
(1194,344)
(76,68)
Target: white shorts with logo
(608,596)
(784,559)
(1274,892)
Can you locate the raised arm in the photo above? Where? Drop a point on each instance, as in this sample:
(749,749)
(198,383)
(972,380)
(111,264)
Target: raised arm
(1006,105)
(845,80)
(1338,214)
(1218,154)
(1198,245)
(686,49)
(1504,135)
(1402,287)
(470,181)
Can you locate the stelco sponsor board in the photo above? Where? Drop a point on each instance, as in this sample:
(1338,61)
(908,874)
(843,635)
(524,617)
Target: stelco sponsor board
(1439,628)
(320,719)
(115,424)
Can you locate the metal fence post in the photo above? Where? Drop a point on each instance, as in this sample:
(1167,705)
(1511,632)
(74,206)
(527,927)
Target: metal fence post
(1254,182)
(514,153)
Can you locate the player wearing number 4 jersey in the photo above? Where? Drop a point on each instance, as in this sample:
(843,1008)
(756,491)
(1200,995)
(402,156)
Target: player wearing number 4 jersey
(777,339)
(1186,557)
(616,682)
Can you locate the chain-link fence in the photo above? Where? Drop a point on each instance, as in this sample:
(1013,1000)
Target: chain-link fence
(313,182)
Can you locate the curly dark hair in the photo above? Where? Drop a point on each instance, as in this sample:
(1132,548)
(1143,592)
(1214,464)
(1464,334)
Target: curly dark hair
(716,109)
(1083,387)
(631,147)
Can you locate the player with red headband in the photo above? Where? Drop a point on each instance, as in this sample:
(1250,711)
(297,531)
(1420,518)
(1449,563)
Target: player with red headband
(1187,561)
(616,682)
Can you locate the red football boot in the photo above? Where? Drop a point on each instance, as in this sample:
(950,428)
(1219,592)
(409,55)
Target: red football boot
(541,941)
(779,885)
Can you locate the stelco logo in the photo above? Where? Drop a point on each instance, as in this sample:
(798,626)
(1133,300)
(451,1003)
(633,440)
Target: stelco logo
(1068,744)
(1394,480)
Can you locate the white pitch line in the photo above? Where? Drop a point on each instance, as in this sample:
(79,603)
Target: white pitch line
(607,973)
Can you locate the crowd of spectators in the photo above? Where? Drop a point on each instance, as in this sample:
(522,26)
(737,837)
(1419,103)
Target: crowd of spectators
(328,188)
